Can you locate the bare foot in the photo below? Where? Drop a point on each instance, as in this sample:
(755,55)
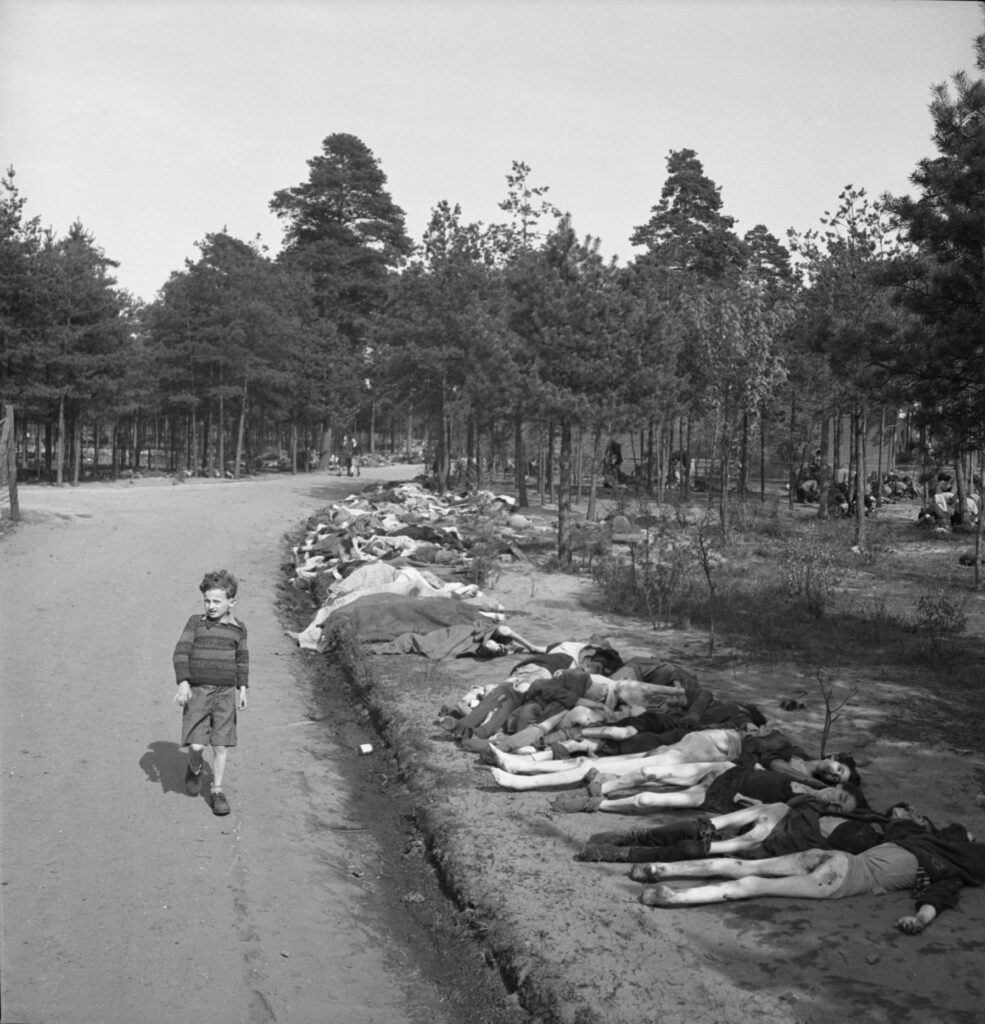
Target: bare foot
(659,895)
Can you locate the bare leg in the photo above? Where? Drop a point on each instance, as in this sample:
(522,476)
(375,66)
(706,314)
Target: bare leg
(539,763)
(764,818)
(745,815)
(610,732)
(818,884)
(218,766)
(522,783)
(645,802)
(791,864)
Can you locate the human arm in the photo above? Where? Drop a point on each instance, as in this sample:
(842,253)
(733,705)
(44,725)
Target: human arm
(914,924)
(242,661)
(183,694)
(181,659)
(507,633)
(241,697)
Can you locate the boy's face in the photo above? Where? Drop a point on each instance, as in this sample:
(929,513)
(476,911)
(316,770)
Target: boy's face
(217,604)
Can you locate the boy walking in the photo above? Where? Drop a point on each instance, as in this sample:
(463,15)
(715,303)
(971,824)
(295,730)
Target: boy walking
(211,667)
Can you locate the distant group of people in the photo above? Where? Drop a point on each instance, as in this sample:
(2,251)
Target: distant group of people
(643,736)
(945,508)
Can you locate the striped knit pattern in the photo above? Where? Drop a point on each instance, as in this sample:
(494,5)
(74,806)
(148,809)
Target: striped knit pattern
(212,653)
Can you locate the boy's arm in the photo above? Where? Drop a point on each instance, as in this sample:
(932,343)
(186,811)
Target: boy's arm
(242,669)
(242,661)
(183,650)
(182,660)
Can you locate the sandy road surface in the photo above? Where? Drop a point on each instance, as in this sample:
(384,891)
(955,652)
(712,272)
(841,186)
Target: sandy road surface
(124,899)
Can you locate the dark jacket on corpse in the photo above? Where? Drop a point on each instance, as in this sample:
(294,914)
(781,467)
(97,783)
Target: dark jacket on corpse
(765,787)
(546,697)
(948,862)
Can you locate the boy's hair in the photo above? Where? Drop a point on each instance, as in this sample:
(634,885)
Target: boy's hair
(221,579)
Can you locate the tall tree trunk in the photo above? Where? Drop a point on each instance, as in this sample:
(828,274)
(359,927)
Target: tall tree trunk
(978,541)
(8,453)
(859,432)
(519,459)
(579,465)
(882,441)
(325,449)
(551,481)
(837,442)
(744,464)
(240,433)
(442,459)
(471,453)
(193,454)
(541,465)
(686,454)
(593,474)
(60,471)
(824,473)
(222,428)
(724,474)
(564,552)
(76,448)
(792,445)
(762,453)
(961,487)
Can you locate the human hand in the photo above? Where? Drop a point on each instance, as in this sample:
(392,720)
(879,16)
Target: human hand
(911,924)
(184,694)
(241,703)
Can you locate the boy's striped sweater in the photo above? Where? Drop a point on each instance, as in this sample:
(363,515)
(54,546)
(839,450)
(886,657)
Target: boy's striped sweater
(212,653)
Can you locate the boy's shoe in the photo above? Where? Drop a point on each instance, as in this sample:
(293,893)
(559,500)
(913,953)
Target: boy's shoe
(193,781)
(220,805)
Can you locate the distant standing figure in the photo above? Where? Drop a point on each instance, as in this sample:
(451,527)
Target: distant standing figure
(354,457)
(211,665)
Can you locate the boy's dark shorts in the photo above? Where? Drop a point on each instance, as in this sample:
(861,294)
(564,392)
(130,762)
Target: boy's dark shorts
(209,717)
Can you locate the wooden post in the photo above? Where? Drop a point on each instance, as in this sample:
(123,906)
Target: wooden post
(8,464)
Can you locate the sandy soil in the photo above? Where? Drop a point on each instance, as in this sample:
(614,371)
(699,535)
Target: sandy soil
(126,900)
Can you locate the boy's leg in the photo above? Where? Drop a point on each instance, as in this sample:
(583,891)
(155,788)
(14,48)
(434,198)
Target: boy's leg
(223,736)
(218,766)
(193,772)
(220,805)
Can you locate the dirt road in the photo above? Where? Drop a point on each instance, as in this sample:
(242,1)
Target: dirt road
(125,900)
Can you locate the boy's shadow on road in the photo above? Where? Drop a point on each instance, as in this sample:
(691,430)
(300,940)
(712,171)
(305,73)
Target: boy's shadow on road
(165,763)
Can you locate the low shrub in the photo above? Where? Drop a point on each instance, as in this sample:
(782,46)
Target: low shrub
(809,574)
(939,615)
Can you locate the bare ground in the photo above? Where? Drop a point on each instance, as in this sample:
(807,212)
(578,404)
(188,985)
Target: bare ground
(126,900)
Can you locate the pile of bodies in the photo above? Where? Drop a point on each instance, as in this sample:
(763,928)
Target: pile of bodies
(637,736)
(643,736)
(394,561)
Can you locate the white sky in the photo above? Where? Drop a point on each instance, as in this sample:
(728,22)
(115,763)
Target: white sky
(155,122)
